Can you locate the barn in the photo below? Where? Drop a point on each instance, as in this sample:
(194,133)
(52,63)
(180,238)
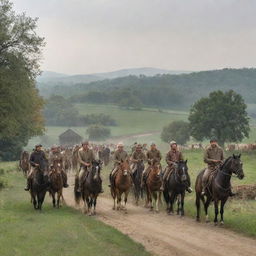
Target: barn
(69,138)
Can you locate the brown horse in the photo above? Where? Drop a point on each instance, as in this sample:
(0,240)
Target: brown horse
(56,183)
(219,187)
(121,185)
(24,162)
(153,185)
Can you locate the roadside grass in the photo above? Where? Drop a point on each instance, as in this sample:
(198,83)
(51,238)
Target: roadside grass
(240,215)
(58,232)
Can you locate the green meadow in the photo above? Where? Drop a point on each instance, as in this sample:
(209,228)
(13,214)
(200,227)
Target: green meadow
(55,232)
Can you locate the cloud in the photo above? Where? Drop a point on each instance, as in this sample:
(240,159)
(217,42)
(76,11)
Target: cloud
(85,36)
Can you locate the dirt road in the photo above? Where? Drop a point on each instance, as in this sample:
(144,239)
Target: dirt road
(171,235)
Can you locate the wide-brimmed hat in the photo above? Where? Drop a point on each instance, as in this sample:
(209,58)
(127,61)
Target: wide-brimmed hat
(173,142)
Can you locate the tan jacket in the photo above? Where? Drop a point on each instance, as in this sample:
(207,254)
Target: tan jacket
(154,155)
(119,156)
(173,157)
(211,154)
(85,156)
(138,156)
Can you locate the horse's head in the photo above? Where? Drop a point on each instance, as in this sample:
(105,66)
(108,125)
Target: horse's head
(182,171)
(96,168)
(237,166)
(125,167)
(156,168)
(233,164)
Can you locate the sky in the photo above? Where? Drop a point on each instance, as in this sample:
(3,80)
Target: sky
(90,36)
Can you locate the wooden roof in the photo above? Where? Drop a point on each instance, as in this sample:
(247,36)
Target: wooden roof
(70,133)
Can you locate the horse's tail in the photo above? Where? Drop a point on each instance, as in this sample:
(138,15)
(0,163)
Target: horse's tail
(78,195)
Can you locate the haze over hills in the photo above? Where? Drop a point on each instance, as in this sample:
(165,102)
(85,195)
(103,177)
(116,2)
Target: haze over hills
(58,78)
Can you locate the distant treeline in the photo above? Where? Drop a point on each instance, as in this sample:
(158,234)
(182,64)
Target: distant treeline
(162,90)
(60,112)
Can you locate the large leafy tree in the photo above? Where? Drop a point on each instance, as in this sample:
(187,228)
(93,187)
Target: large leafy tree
(20,103)
(222,115)
(178,131)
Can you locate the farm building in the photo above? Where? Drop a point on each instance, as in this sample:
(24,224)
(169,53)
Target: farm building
(69,138)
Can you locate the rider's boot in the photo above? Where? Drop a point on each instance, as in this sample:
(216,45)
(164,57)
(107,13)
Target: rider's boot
(189,189)
(27,188)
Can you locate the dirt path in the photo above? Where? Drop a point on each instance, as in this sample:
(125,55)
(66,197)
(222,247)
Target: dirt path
(170,235)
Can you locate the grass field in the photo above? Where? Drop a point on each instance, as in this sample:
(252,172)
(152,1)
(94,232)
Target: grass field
(54,232)
(240,215)
(129,122)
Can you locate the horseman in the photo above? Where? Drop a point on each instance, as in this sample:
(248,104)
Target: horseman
(119,156)
(37,160)
(213,156)
(137,156)
(55,155)
(153,155)
(172,158)
(85,158)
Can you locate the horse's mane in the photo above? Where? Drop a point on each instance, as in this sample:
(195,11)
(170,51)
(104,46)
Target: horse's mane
(225,162)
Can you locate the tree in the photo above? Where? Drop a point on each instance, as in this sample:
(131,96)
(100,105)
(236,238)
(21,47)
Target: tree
(98,132)
(178,131)
(20,103)
(222,115)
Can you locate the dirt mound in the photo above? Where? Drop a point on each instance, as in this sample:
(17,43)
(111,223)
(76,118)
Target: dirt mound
(246,191)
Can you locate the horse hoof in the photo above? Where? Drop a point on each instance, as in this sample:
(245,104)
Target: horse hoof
(222,223)
(215,224)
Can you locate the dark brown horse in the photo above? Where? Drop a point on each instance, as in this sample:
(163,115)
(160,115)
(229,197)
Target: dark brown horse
(91,188)
(219,188)
(24,162)
(153,185)
(56,183)
(176,186)
(121,185)
(38,187)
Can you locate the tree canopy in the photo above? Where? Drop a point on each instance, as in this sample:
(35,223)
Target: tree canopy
(222,115)
(20,103)
(178,131)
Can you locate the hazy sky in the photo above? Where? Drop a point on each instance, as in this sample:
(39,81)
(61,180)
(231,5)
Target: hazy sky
(87,36)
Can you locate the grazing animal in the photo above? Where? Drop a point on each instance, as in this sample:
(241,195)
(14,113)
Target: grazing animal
(153,185)
(38,187)
(91,187)
(24,162)
(176,186)
(137,176)
(56,185)
(219,186)
(121,185)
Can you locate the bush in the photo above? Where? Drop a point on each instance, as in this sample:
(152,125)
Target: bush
(178,131)
(98,132)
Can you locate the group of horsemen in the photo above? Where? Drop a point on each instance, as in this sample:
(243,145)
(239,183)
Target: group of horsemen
(213,156)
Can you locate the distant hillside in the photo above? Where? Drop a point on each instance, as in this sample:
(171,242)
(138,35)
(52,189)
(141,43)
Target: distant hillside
(51,78)
(165,90)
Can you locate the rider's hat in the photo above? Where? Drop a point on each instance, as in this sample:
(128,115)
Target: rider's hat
(139,146)
(38,145)
(173,142)
(85,142)
(54,146)
(213,139)
(152,143)
(120,144)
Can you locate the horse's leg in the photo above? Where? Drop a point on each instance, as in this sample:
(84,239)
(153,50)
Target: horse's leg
(125,200)
(223,201)
(119,199)
(113,193)
(53,199)
(34,201)
(198,206)
(94,205)
(206,205)
(172,198)
(216,207)
(178,203)
(182,204)
(158,195)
